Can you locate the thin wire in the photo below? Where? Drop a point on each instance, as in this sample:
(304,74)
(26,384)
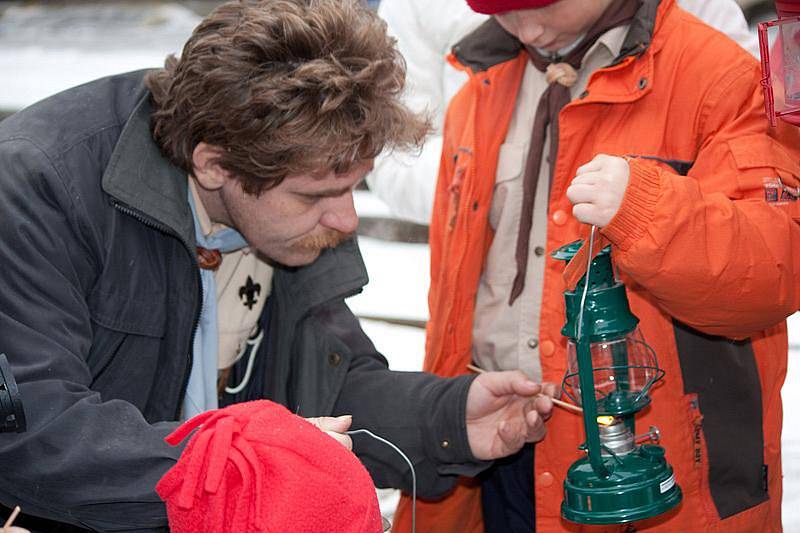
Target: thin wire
(254,346)
(586,284)
(411,466)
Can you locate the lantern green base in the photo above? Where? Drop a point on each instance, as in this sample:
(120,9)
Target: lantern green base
(642,485)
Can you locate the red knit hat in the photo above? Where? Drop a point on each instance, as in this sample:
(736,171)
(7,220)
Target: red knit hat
(491,7)
(257,467)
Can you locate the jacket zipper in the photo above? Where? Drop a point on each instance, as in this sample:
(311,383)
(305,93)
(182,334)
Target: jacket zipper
(195,322)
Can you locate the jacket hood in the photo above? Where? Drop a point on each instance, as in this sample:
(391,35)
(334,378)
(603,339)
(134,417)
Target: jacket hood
(490,44)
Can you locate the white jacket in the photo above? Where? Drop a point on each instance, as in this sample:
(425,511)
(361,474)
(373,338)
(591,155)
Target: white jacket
(426,30)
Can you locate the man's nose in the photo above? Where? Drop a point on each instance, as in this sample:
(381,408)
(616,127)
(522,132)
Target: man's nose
(340,214)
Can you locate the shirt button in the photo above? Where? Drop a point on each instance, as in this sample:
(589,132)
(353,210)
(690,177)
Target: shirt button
(547,348)
(539,251)
(546,479)
(532,343)
(445,444)
(334,359)
(559,217)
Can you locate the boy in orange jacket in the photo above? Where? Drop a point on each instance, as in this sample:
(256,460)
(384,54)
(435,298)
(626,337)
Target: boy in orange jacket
(638,118)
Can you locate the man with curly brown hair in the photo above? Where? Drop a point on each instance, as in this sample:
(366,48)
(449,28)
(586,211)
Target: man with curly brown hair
(178,240)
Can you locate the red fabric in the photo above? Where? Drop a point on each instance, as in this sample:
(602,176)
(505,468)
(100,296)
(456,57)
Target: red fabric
(787,8)
(776,62)
(491,7)
(257,467)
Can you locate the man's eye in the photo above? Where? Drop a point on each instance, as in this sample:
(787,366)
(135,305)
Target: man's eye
(308,199)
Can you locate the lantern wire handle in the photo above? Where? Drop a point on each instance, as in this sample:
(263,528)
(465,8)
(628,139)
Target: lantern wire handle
(586,283)
(589,403)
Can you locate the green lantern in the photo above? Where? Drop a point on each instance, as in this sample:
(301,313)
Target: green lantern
(610,369)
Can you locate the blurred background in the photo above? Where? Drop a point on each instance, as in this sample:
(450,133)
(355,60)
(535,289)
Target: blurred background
(48,46)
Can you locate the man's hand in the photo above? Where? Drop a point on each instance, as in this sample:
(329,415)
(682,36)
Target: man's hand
(598,187)
(504,412)
(335,427)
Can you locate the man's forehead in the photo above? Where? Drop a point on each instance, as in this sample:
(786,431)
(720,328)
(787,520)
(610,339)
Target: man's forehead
(331,176)
(327,180)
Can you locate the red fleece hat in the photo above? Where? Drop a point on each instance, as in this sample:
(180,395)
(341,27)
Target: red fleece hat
(255,466)
(492,7)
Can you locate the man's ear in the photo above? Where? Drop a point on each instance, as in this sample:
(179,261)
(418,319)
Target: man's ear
(205,168)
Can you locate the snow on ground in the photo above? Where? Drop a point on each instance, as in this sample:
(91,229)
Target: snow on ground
(403,286)
(45,51)
(403,346)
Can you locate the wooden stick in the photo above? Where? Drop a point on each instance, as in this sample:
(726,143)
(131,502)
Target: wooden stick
(11,518)
(559,403)
(566,405)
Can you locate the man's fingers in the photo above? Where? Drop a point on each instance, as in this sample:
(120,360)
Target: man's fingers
(544,406)
(551,389)
(515,433)
(335,427)
(523,386)
(342,438)
(512,434)
(536,429)
(505,383)
(522,423)
(339,424)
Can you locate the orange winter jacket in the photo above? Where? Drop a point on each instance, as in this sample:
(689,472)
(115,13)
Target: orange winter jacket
(704,242)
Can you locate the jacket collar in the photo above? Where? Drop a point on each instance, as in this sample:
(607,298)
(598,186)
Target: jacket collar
(490,44)
(141,178)
(643,25)
(338,273)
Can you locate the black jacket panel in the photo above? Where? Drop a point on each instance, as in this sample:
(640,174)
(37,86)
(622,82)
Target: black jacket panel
(87,294)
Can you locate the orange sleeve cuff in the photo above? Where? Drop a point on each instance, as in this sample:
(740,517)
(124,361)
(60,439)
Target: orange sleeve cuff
(638,205)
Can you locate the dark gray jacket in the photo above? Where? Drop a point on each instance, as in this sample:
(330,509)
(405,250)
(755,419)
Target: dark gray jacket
(99,298)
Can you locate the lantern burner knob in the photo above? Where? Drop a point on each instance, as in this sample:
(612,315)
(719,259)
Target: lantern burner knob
(654,436)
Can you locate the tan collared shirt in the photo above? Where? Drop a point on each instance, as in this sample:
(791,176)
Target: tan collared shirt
(239,301)
(507,338)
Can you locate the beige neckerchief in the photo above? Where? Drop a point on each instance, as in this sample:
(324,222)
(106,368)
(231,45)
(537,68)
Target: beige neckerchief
(244,281)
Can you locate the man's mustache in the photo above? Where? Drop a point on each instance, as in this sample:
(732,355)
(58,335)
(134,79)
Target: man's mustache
(328,239)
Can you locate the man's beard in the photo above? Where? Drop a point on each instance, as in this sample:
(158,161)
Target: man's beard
(328,239)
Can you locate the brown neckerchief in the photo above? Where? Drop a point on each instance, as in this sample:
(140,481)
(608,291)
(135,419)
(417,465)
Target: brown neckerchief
(560,76)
